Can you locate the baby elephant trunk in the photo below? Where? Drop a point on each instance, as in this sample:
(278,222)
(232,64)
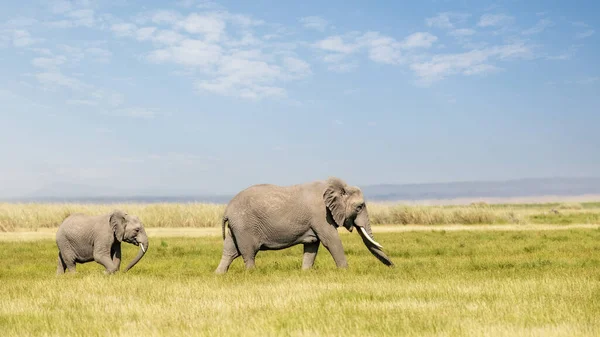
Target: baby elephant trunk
(142,239)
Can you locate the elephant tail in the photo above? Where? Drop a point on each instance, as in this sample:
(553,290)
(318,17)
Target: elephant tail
(225,219)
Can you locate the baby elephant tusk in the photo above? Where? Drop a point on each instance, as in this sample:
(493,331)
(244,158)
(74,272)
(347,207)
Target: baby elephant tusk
(142,246)
(369,237)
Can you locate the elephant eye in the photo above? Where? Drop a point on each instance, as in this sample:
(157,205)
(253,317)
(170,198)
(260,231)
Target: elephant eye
(360,207)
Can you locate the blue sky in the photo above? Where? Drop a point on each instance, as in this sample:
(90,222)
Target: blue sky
(206,97)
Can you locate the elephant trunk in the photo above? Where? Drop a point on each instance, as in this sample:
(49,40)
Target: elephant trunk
(142,239)
(364,230)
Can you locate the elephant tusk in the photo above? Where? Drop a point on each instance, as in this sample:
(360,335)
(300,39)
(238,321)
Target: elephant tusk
(142,246)
(369,237)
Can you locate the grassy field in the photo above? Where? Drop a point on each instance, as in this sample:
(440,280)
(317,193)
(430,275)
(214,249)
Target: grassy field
(33,216)
(462,283)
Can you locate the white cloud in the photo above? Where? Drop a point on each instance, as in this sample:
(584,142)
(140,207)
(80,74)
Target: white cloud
(495,20)
(82,17)
(211,27)
(580,24)
(297,67)
(21,38)
(145,33)
(166,17)
(539,27)
(81,102)
(186,3)
(480,69)
(60,6)
(336,44)
(343,67)
(123,29)
(462,32)
(167,37)
(136,112)
(109,97)
(245,78)
(314,22)
(468,63)
(586,80)
(43,51)
(446,20)
(48,62)
(21,22)
(222,48)
(419,40)
(188,53)
(381,49)
(585,34)
(99,54)
(54,78)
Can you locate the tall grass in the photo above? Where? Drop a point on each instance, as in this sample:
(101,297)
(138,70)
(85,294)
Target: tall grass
(32,216)
(444,284)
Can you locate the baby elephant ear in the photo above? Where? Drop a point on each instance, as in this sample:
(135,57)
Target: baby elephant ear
(334,198)
(117,223)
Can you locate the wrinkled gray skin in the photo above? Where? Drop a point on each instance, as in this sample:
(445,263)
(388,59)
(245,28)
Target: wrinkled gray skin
(83,238)
(270,217)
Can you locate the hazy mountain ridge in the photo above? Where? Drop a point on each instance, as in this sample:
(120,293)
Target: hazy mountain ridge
(534,187)
(482,189)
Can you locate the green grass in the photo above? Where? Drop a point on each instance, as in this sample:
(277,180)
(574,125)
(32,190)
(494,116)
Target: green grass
(542,283)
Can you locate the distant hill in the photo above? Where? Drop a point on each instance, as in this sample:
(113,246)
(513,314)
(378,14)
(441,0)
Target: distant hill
(81,193)
(482,189)
(534,187)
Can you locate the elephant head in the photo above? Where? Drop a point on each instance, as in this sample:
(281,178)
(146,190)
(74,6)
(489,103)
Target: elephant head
(130,229)
(346,207)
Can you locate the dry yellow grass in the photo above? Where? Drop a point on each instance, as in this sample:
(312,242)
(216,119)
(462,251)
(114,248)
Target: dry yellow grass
(33,216)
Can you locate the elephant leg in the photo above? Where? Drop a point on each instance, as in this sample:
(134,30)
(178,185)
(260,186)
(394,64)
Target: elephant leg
(106,261)
(62,266)
(230,253)
(246,245)
(333,243)
(310,253)
(116,255)
(68,258)
(248,251)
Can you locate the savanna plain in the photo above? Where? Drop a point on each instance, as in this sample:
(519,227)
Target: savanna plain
(470,270)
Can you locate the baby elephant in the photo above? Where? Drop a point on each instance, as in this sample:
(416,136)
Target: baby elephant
(83,238)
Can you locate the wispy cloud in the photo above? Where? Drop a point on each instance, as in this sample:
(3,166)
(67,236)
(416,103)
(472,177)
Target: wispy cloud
(20,38)
(314,22)
(585,34)
(462,32)
(475,62)
(81,102)
(419,40)
(539,27)
(447,20)
(223,47)
(379,48)
(52,79)
(495,20)
(336,44)
(136,112)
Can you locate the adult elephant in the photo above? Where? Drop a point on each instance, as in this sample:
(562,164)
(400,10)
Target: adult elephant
(83,238)
(271,217)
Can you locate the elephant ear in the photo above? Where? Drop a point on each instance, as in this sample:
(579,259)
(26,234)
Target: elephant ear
(334,198)
(117,223)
